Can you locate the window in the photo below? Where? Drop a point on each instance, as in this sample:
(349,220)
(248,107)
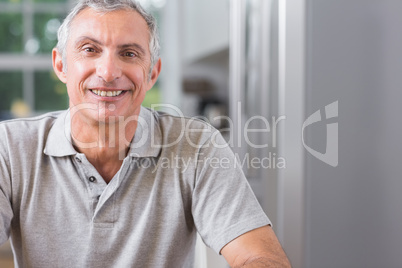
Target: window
(28,33)
(28,30)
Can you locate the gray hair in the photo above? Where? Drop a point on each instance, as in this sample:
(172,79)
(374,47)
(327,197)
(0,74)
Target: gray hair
(105,6)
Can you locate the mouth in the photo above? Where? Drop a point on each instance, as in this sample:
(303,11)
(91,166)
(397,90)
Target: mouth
(109,93)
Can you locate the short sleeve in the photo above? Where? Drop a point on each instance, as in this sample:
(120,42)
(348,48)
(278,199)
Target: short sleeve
(6,212)
(224,206)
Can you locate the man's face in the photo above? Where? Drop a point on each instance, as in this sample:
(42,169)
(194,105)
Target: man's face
(108,63)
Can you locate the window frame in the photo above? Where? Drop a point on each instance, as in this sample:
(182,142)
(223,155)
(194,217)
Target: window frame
(23,61)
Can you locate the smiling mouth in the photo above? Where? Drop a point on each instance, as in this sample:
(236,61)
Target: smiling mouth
(103,93)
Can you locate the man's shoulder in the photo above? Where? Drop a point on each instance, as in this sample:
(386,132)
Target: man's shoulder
(27,128)
(193,129)
(170,120)
(31,121)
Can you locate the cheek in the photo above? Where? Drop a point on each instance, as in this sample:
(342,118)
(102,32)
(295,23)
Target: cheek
(139,75)
(78,71)
(83,68)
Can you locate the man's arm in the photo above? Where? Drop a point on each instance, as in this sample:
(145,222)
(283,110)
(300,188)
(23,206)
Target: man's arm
(257,248)
(6,213)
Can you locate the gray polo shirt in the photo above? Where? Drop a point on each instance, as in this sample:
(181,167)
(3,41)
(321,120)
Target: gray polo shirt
(179,178)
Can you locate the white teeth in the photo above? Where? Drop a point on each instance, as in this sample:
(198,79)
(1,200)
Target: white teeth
(107,93)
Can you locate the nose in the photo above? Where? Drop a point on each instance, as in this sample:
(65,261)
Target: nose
(108,68)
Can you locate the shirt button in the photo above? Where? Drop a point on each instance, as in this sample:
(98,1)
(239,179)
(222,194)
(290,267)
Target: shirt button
(92,179)
(78,160)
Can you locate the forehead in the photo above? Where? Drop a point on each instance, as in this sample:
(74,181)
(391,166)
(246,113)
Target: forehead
(115,27)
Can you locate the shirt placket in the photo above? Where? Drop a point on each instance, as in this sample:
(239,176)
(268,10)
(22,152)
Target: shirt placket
(102,196)
(96,187)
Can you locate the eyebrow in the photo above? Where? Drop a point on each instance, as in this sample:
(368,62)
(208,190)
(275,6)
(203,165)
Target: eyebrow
(83,38)
(135,45)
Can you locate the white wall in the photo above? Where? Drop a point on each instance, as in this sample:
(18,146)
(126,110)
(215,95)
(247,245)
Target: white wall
(354,55)
(206,27)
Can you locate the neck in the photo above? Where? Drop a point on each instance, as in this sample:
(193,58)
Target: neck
(105,144)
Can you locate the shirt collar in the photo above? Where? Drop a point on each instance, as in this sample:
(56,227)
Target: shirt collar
(59,139)
(146,142)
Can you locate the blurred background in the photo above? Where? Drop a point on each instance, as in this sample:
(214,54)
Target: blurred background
(329,182)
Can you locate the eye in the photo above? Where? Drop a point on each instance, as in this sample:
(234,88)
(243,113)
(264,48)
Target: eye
(89,49)
(129,54)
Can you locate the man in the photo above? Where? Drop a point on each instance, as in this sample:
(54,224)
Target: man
(94,186)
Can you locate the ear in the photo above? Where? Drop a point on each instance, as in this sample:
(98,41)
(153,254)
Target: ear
(156,70)
(58,65)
